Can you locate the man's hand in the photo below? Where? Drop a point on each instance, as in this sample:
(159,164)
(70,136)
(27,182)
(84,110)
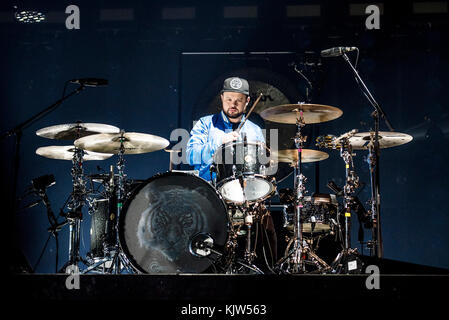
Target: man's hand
(230,136)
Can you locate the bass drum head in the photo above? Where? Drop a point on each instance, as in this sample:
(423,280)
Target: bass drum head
(161,217)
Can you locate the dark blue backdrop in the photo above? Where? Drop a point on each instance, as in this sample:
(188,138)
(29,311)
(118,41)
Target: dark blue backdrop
(154,88)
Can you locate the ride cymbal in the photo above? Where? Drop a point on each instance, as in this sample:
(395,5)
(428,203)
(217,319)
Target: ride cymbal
(312,113)
(73,131)
(133,143)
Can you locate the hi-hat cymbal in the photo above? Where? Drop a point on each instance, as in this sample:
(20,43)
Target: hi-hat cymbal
(133,143)
(312,113)
(66,153)
(387,139)
(73,131)
(291,155)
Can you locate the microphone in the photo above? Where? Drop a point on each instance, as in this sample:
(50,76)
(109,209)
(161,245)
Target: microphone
(90,82)
(336,51)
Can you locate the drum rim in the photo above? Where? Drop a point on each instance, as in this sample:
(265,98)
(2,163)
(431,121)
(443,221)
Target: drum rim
(232,143)
(127,202)
(272,184)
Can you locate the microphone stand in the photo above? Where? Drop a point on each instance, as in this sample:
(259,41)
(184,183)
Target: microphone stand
(18,131)
(376,244)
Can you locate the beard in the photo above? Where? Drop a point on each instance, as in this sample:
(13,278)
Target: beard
(233,115)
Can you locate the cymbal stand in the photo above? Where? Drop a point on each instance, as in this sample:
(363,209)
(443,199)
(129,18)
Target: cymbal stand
(300,254)
(299,187)
(114,257)
(119,258)
(375,244)
(75,215)
(352,183)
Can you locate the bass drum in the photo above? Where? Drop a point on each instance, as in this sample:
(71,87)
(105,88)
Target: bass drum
(162,216)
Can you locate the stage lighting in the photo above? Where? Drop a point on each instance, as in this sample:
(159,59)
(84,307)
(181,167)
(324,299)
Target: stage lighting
(29,16)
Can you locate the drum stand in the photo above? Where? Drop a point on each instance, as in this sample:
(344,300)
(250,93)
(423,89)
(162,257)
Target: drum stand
(115,261)
(300,254)
(346,256)
(375,244)
(249,255)
(75,215)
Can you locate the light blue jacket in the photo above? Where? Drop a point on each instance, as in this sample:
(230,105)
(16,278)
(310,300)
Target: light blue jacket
(206,138)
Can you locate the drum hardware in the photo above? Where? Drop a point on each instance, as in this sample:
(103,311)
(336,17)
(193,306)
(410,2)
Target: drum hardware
(249,215)
(346,257)
(294,257)
(114,260)
(373,141)
(352,183)
(171,153)
(299,254)
(75,215)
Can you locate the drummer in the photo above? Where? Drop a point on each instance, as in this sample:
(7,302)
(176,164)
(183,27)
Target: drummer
(211,131)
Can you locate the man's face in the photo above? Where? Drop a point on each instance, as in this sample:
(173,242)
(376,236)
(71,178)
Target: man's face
(234,104)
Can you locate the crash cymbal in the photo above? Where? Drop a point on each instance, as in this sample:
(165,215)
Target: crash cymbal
(66,153)
(73,131)
(133,143)
(387,139)
(291,155)
(312,113)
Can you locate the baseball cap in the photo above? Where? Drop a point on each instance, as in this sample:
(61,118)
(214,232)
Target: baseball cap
(236,84)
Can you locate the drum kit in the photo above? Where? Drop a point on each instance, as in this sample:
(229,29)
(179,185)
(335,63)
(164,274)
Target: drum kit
(177,222)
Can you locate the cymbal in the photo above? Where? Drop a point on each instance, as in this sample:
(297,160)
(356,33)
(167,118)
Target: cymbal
(73,131)
(312,113)
(387,139)
(291,155)
(66,153)
(134,143)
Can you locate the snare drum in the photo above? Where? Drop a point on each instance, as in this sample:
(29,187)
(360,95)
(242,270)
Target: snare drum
(248,161)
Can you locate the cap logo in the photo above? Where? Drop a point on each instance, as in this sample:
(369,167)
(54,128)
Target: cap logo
(236,83)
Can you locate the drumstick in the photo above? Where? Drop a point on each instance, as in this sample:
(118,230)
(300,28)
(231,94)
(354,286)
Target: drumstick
(250,110)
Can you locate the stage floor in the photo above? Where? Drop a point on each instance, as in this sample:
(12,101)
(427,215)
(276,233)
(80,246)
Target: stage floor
(182,295)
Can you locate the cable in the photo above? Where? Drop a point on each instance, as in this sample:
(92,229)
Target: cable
(42,253)
(57,251)
(271,253)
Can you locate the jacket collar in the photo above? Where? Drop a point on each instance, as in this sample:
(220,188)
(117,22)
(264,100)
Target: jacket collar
(226,120)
